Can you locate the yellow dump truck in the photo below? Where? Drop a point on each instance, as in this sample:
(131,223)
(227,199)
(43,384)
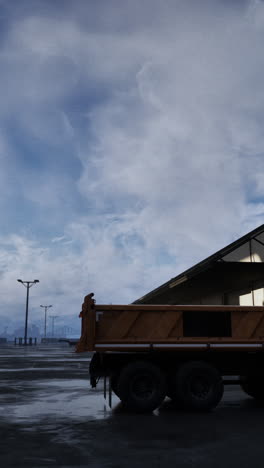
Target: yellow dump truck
(149,352)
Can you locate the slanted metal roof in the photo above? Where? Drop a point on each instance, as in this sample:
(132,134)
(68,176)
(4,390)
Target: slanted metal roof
(201,266)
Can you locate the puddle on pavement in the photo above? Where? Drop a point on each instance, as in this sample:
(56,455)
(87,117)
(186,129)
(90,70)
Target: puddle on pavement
(61,399)
(30,369)
(78,384)
(49,359)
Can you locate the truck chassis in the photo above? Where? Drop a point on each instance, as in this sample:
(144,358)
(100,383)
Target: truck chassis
(147,352)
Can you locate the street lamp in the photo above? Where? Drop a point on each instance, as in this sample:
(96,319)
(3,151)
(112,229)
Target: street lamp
(27,284)
(46,307)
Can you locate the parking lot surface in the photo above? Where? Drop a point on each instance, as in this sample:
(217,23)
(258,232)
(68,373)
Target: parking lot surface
(49,416)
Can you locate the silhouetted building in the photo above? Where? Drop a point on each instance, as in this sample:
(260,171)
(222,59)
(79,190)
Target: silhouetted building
(234,275)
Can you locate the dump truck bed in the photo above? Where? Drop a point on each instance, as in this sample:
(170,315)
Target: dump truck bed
(169,327)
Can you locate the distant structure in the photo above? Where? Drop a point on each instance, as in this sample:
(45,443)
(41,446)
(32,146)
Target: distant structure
(53,318)
(233,276)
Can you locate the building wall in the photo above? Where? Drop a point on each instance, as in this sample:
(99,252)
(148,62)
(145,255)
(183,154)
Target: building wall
(215,293)
(216,299)
(251,297)
(255,297)
(251,251)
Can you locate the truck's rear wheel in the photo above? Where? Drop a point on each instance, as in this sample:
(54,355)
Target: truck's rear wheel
(198,386)
(141,386)
(253,386)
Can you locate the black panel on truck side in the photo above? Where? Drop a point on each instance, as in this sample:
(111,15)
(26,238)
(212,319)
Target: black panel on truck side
(206,323)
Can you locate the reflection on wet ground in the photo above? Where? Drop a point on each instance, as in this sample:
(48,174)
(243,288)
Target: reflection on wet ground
(50,417)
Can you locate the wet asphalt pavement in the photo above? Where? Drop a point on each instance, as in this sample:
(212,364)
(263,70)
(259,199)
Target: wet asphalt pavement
(50,417)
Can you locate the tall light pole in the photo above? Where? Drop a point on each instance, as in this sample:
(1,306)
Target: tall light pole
(27,284)
(53,317)
(46,307)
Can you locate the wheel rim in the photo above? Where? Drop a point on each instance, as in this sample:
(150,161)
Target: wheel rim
(143,386)
(200,386)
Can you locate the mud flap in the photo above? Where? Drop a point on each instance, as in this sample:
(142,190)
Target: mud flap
(108,390)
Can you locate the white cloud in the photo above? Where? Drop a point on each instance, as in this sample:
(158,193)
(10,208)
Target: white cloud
(171,159)
(186,145)
(58,239)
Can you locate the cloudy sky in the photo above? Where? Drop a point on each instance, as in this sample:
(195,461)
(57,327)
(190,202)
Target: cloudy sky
(131,144)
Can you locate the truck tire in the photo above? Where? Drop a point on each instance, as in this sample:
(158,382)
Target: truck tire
(253,386)
(198,386)
(141,386)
